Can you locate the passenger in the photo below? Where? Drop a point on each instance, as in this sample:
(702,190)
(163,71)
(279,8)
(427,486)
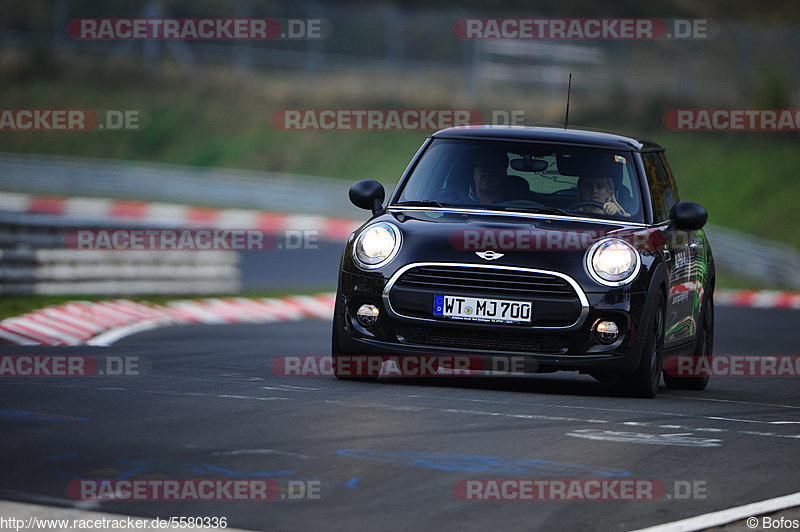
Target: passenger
(490,181)
(597,195)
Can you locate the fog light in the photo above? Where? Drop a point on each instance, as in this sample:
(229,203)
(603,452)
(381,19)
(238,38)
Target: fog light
(606,331)
(367,315)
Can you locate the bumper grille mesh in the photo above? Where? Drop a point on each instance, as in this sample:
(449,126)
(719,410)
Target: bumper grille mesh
(481,339)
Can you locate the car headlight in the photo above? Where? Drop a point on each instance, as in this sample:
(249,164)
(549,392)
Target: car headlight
(613,262)
(376,245)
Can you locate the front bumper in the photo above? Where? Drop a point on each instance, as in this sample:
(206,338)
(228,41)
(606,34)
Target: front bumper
(540,349)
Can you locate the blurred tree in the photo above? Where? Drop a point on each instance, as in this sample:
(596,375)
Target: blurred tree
(35,17)
(775,90)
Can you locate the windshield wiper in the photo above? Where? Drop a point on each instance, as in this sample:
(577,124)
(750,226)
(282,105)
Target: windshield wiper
(422,203)
(540,210)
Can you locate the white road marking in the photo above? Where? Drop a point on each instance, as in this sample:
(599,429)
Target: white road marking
(223,396)
(755,421)
(683,439)
(723,517)
(201,379)
(285,388)
(254,398)
(738,402)
(114,335)
(756,433)
(645,412)
(556,418)
(239,452)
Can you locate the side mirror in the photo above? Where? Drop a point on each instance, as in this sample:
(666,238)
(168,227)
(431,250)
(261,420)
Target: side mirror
(368,194)
(688,216)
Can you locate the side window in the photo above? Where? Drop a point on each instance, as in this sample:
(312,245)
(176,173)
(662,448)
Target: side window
(662,188)
(673,188)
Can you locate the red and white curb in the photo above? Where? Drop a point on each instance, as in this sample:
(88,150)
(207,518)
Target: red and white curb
(104,322)
(757,298)
(176,214)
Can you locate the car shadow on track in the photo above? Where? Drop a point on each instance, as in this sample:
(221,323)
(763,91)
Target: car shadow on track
(549,384)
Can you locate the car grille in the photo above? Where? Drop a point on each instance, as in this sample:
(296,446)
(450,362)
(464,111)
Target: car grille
(555,301)
(481,339)
(486,281)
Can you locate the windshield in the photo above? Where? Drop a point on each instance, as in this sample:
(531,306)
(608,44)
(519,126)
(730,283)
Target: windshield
(527,177)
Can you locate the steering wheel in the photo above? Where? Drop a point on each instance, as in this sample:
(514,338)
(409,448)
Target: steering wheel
(595,204)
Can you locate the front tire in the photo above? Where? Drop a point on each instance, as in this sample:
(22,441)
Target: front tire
(644,382)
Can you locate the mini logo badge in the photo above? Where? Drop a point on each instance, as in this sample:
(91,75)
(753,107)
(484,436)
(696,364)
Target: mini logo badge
(489,255)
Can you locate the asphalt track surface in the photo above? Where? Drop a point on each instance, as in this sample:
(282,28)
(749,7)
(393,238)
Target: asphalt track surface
(388,453)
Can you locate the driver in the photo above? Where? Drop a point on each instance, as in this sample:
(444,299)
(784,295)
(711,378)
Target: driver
(490,182)
(597,196)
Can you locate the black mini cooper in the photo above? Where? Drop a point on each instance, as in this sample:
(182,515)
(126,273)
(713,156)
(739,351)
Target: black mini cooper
(557,249)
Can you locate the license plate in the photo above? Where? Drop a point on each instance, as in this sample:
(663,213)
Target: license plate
(480,309)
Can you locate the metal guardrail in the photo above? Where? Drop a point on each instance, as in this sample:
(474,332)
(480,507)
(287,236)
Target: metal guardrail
(34,260)
(75,176)
(769,263)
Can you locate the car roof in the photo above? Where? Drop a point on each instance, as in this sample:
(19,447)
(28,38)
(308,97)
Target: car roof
(597,138)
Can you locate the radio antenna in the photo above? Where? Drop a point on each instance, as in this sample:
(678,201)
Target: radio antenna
(566,114)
